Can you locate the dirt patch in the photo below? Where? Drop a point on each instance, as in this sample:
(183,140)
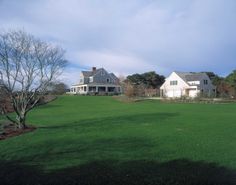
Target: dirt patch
(9,130)
(126,99)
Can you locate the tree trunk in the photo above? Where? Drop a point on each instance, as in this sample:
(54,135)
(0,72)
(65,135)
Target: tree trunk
(22,123)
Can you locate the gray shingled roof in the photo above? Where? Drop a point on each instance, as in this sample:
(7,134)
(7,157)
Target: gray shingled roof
(97,70)
(113,76)
(191,76)
(87,73)
(90,73)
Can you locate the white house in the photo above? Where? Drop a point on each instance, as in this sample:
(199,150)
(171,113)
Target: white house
(96,81)
(180,84)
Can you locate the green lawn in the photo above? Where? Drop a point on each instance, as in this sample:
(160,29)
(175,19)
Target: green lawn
(75,131)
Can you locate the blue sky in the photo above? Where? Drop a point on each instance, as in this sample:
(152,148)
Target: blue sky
(132,36)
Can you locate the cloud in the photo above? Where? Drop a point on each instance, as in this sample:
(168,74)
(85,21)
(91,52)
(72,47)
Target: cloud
(121,63)
(70,76)
(132,36)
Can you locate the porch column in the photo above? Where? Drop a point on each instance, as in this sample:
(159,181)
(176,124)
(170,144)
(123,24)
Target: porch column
(106,89)
(96,88)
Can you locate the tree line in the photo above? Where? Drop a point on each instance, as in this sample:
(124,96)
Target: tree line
(145,84)
(225,86)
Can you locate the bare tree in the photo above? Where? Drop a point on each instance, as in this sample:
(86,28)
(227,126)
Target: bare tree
(28,65)
(129,90)
(2,95)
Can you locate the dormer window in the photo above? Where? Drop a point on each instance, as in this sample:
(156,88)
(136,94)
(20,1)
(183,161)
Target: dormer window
(91,79)
(174,82)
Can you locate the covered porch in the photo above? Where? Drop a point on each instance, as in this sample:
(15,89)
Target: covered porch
(102,89)
(94,89)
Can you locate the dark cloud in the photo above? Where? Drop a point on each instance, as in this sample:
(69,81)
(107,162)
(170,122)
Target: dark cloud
(132,36)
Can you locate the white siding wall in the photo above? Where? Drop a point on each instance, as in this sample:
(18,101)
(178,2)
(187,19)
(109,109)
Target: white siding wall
(174,93)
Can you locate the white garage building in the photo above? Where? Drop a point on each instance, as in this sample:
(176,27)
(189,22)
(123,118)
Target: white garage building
(180,84)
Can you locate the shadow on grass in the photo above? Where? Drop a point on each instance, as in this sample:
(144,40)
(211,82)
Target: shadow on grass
(177,172)
(124,119)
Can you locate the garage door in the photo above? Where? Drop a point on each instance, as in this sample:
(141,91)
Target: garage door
(174,93)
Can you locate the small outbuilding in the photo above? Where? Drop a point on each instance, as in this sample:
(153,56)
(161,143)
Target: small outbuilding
(187,84)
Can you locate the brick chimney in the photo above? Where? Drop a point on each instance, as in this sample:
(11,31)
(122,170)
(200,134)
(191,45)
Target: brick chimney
(94,69)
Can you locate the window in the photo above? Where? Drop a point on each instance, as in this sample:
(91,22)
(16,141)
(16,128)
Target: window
(174,82)
(205,82)
(108,80)
(85,89)
(91,79)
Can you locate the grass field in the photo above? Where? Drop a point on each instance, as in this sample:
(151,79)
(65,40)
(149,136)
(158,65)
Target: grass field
(134,142)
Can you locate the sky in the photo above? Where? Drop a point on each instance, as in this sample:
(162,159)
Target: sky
(132,36)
